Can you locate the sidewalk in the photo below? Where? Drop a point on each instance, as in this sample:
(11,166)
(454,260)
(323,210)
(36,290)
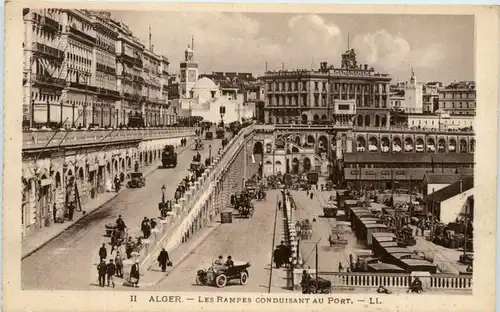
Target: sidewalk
(38,239)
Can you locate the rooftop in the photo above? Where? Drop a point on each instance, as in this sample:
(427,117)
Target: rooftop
(451,190)
(428,158)
(441,178)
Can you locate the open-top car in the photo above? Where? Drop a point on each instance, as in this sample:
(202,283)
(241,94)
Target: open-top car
(220,275)
(137,180)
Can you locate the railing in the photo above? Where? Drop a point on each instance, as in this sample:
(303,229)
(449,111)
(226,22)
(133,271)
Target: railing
(184,214)
(398,280)
(361,129)
(40,138)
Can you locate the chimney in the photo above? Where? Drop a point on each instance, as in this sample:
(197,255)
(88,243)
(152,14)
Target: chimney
(366,66)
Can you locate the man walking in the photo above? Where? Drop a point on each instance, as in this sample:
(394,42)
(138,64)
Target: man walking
(134,274)
(163,259)
(145,228)
(119,264)
(103,253)
(101,270)
(111,270)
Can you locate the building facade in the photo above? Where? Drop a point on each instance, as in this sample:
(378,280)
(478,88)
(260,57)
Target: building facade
(43,75)
(458,98)
(104,66)
(84,69)
(441,121)
(430,97)
(352,94)
(408,96)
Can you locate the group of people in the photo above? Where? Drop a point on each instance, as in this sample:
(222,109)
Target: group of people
(183,142)
(146,226)
(111,269)
(281,255)
(220,264)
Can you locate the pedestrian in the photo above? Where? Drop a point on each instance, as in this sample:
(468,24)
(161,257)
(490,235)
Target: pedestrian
(134,274)
(277,257)
(101,270)
(111,270)
(54,212)
(119,264)
(341,268)
(311,195)
(145,228)
(163,259)
(103,253)
(130,248)
(120,224)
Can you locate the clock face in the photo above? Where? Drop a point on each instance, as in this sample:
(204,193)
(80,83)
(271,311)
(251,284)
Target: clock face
(192,75)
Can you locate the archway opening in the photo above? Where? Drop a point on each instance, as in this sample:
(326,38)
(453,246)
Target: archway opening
(408,145)
(419,145)
(472,146)
(377,121)
(295,166)
(307,164)
(431,145)
(316,118)
(463,146)
(304,119)
(441,146)
(373,146)
(295,149)
(367,120)
(452,147)
(385,145)
(310,140)
(360,120)
(361,144)
(298,141)
(322,144)
(396,145)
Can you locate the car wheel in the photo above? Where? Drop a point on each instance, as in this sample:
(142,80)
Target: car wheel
(221,281)
(244,278)
(199,281)
(311,289)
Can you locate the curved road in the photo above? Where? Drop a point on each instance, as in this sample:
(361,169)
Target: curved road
(244,240)
(69,261)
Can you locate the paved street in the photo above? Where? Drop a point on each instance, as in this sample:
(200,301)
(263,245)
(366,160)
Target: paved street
(329,257)
(244,240)
(69,261)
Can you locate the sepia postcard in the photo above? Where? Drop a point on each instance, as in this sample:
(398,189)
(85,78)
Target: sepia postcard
(241,157)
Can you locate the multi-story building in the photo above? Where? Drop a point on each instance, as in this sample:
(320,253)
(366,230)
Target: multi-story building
(329,95)
(152,88)
(458,98)
(104,66)
(430,97)
(44,79)
(407,97)
(78,40)
(168,112)
(82,68)
(129,67)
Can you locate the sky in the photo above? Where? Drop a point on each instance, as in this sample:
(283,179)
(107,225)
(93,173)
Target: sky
(438,47)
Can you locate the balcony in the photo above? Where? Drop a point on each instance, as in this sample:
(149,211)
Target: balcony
(105,69)
(107,92)
(50,24)
(81,35)
(137,62)
(47,51)
(49,80)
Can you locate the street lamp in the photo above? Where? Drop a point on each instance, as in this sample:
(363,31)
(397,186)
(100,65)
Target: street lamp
(163,190)
(222,112)
(210,153)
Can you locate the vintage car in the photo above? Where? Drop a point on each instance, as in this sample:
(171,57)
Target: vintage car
(246,211)
(209,135)
(330,211)
(137,180)
(317,285)
(219,275)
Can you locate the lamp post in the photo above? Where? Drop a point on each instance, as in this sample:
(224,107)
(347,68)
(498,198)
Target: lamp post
(210,153)
(163,190)
(48,114)
(222,112)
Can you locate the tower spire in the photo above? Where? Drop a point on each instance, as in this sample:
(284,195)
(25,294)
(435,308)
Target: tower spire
(149,37)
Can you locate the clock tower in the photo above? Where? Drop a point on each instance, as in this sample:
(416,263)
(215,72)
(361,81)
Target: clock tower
(189,71)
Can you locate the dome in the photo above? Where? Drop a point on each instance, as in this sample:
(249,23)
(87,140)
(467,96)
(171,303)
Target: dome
(205,84)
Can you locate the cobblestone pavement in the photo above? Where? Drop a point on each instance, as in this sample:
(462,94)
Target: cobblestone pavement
(69,261)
